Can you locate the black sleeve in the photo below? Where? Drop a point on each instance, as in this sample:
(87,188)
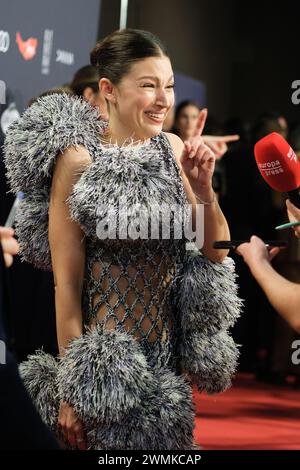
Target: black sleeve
(21,426)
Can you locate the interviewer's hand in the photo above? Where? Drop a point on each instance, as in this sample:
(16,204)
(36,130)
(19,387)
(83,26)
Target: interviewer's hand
(256,253)
(71,426)
(294,216)
(9,244)
(218,144)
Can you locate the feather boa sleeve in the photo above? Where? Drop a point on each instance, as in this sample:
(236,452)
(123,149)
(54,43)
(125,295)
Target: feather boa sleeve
(32,143)
(207,304)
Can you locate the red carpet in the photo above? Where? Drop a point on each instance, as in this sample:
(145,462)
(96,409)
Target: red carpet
(251,415)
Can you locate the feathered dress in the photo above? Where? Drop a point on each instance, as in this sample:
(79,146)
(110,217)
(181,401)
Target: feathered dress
(155,314)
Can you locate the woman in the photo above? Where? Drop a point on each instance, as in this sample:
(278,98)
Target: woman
(85,84)
(136,318)
(186,119)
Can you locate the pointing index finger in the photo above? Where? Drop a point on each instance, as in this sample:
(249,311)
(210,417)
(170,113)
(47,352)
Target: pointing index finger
(221,138)
(201,122)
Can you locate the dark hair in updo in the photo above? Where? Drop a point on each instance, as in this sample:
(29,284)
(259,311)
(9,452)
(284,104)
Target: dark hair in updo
(114,56)
(85,77)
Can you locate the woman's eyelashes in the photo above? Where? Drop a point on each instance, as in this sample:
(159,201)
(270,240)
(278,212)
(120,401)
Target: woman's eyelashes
(151,85)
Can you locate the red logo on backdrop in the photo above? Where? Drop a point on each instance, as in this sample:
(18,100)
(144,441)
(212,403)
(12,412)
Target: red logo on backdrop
(27,48)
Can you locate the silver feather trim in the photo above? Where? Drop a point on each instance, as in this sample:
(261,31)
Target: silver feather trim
(207,302)
(124,404)
(49,126)
(39,373)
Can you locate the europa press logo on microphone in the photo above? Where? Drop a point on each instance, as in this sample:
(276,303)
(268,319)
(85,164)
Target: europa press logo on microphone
(296,94)
(291,155)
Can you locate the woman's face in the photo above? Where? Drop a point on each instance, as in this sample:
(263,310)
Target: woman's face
(187,120)
(143,98)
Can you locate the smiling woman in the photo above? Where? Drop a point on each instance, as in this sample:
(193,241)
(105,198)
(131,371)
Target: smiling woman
(138,318)
(143,100)
(139,93)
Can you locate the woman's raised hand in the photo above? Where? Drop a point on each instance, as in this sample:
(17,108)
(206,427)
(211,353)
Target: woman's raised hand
(198,160)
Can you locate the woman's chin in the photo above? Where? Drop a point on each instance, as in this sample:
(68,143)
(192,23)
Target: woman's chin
(153,130)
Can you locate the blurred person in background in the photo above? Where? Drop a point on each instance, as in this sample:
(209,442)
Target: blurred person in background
(187,115)
(85,83)
(252,207)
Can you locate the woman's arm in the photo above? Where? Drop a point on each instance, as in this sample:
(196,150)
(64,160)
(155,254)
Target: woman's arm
(283,294)
(215,224)
(68,258)
(67,246)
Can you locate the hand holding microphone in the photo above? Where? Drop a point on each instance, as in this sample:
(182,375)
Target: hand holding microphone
(280,168)
(255,253)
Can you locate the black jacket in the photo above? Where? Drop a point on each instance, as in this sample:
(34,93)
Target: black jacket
(21,427)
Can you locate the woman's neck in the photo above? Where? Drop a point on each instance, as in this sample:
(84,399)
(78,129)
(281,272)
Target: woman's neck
(122,136)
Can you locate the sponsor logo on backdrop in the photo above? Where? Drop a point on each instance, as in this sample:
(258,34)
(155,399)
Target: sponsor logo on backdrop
(2,92)
(47,51)
(64,57)
(28,47)
(4,41)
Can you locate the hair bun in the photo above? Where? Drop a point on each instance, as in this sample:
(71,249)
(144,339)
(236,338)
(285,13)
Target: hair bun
(95,53)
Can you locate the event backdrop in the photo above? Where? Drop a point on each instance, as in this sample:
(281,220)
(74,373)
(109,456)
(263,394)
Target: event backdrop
(42,44)
(188,88)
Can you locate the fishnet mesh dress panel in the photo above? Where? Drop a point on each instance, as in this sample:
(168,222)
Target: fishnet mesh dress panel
(133,295)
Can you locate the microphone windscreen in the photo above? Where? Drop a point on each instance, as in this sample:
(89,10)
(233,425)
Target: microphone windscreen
(277,163)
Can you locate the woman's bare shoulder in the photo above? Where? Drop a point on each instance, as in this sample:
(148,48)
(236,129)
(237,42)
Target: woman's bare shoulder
(75,158)
(70,165)
(175,141)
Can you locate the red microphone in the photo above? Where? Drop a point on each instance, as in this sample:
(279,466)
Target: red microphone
(279,165)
